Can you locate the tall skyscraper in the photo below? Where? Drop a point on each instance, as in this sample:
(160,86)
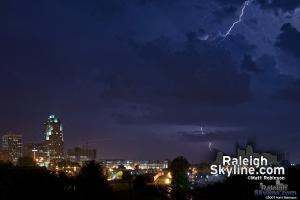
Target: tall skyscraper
(12,145)
(54,141)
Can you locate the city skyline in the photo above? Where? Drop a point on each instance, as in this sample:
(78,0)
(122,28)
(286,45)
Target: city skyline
(150,79)
(53,148)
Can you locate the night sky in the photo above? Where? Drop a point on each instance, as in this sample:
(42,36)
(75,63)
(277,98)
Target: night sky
(138,79)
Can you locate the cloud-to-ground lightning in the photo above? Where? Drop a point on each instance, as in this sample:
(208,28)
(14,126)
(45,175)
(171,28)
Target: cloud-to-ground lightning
(209,146)
(209,143)
(246,3)
(201,129)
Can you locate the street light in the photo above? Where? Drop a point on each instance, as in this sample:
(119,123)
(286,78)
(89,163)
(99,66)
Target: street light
(34,150)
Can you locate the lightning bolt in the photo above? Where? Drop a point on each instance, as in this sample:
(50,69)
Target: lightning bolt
(209,146)
(209,143)
(202,132)
(245,5)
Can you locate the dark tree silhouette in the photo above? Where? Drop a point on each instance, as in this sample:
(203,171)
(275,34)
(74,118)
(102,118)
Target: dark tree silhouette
(91,182)
(127,177)
(180,183)
(139,183)
(26,162)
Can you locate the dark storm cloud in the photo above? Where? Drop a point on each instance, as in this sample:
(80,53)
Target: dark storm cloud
(132,113)
(197,136)
(226,11)
(249,65)
(267,65)
(157,2)
(289,40)
(20,55)
(231,2)
(198,73)
(252,23)
(106,9)
(24,49)
(239,46)
(280,5)
(267,78)
(290,93)
(73,58)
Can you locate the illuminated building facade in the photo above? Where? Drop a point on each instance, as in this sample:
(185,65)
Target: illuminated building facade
(54,142)
(12,144)
(81,155)
(38,152)
(114,169)
(136,164)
